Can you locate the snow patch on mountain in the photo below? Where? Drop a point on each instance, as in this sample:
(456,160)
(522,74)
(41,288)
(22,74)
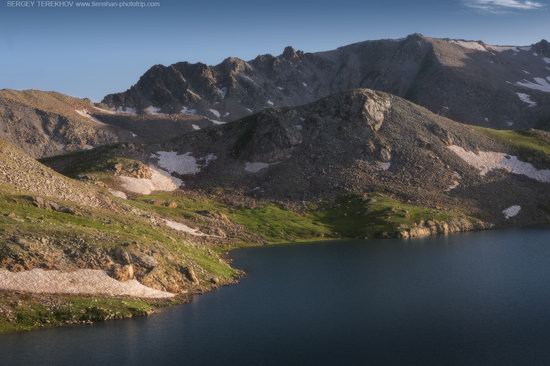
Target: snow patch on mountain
(486,161)
(178,226)
(152,110)
(471,45)
(215,112)
(511,211)
(176,163)
(526,98)
(184,164)
(85,113)
(127,110)
(186,110)
(540,84)
(160,181)
(81,281)
(255,167)
(502,48)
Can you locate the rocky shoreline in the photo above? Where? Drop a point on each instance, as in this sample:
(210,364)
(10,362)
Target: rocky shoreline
(24,310)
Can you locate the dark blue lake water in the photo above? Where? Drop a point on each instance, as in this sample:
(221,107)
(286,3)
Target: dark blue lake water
(469,299)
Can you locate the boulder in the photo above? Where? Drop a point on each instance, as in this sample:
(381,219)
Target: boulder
(190,275)
(123,273)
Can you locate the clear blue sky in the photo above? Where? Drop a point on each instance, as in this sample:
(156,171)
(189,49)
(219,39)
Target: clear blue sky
(93,52)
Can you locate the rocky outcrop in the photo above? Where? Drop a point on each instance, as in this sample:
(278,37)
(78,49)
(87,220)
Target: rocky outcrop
(430,227)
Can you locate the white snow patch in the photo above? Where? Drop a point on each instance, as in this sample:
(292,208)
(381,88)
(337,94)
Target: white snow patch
(184,164)
(249,110)
(486,161)
(85,113)
(207,159)
(176,163)
(471,45)
(546,59)
(107,111)
(502,48)
(269,102)
(183,228)
(186,110)
(384,165)
(133,135)
(302,119)
(255,167)
(526,98)
(280,88)
(511,211)
(486,119)
(226,114)
(215,113)
(304,84)
(127,110)
(526,72)
(195,127)
(194,94)
(525,48)
(222,92)
(159,181)
(540,84)
(153,110)
(535,54)
(118,194)
(82,281)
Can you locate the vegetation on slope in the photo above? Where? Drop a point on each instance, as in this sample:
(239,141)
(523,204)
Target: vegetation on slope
(526,142)
(101,229)
(351,216)
(23,312)
(377,216)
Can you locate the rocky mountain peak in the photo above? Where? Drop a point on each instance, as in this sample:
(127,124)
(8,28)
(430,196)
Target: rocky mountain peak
(292,54)
(542,47)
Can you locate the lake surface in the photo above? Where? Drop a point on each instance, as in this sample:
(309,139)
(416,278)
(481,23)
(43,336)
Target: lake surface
(468,299)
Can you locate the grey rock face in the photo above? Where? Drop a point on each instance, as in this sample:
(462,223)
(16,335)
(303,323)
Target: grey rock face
(467,81)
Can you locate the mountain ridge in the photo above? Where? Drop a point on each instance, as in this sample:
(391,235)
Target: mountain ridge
(468,81)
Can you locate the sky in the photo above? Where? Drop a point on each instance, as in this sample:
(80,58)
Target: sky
(94,51)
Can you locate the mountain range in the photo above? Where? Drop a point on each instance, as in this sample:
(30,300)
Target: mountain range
(468,81)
